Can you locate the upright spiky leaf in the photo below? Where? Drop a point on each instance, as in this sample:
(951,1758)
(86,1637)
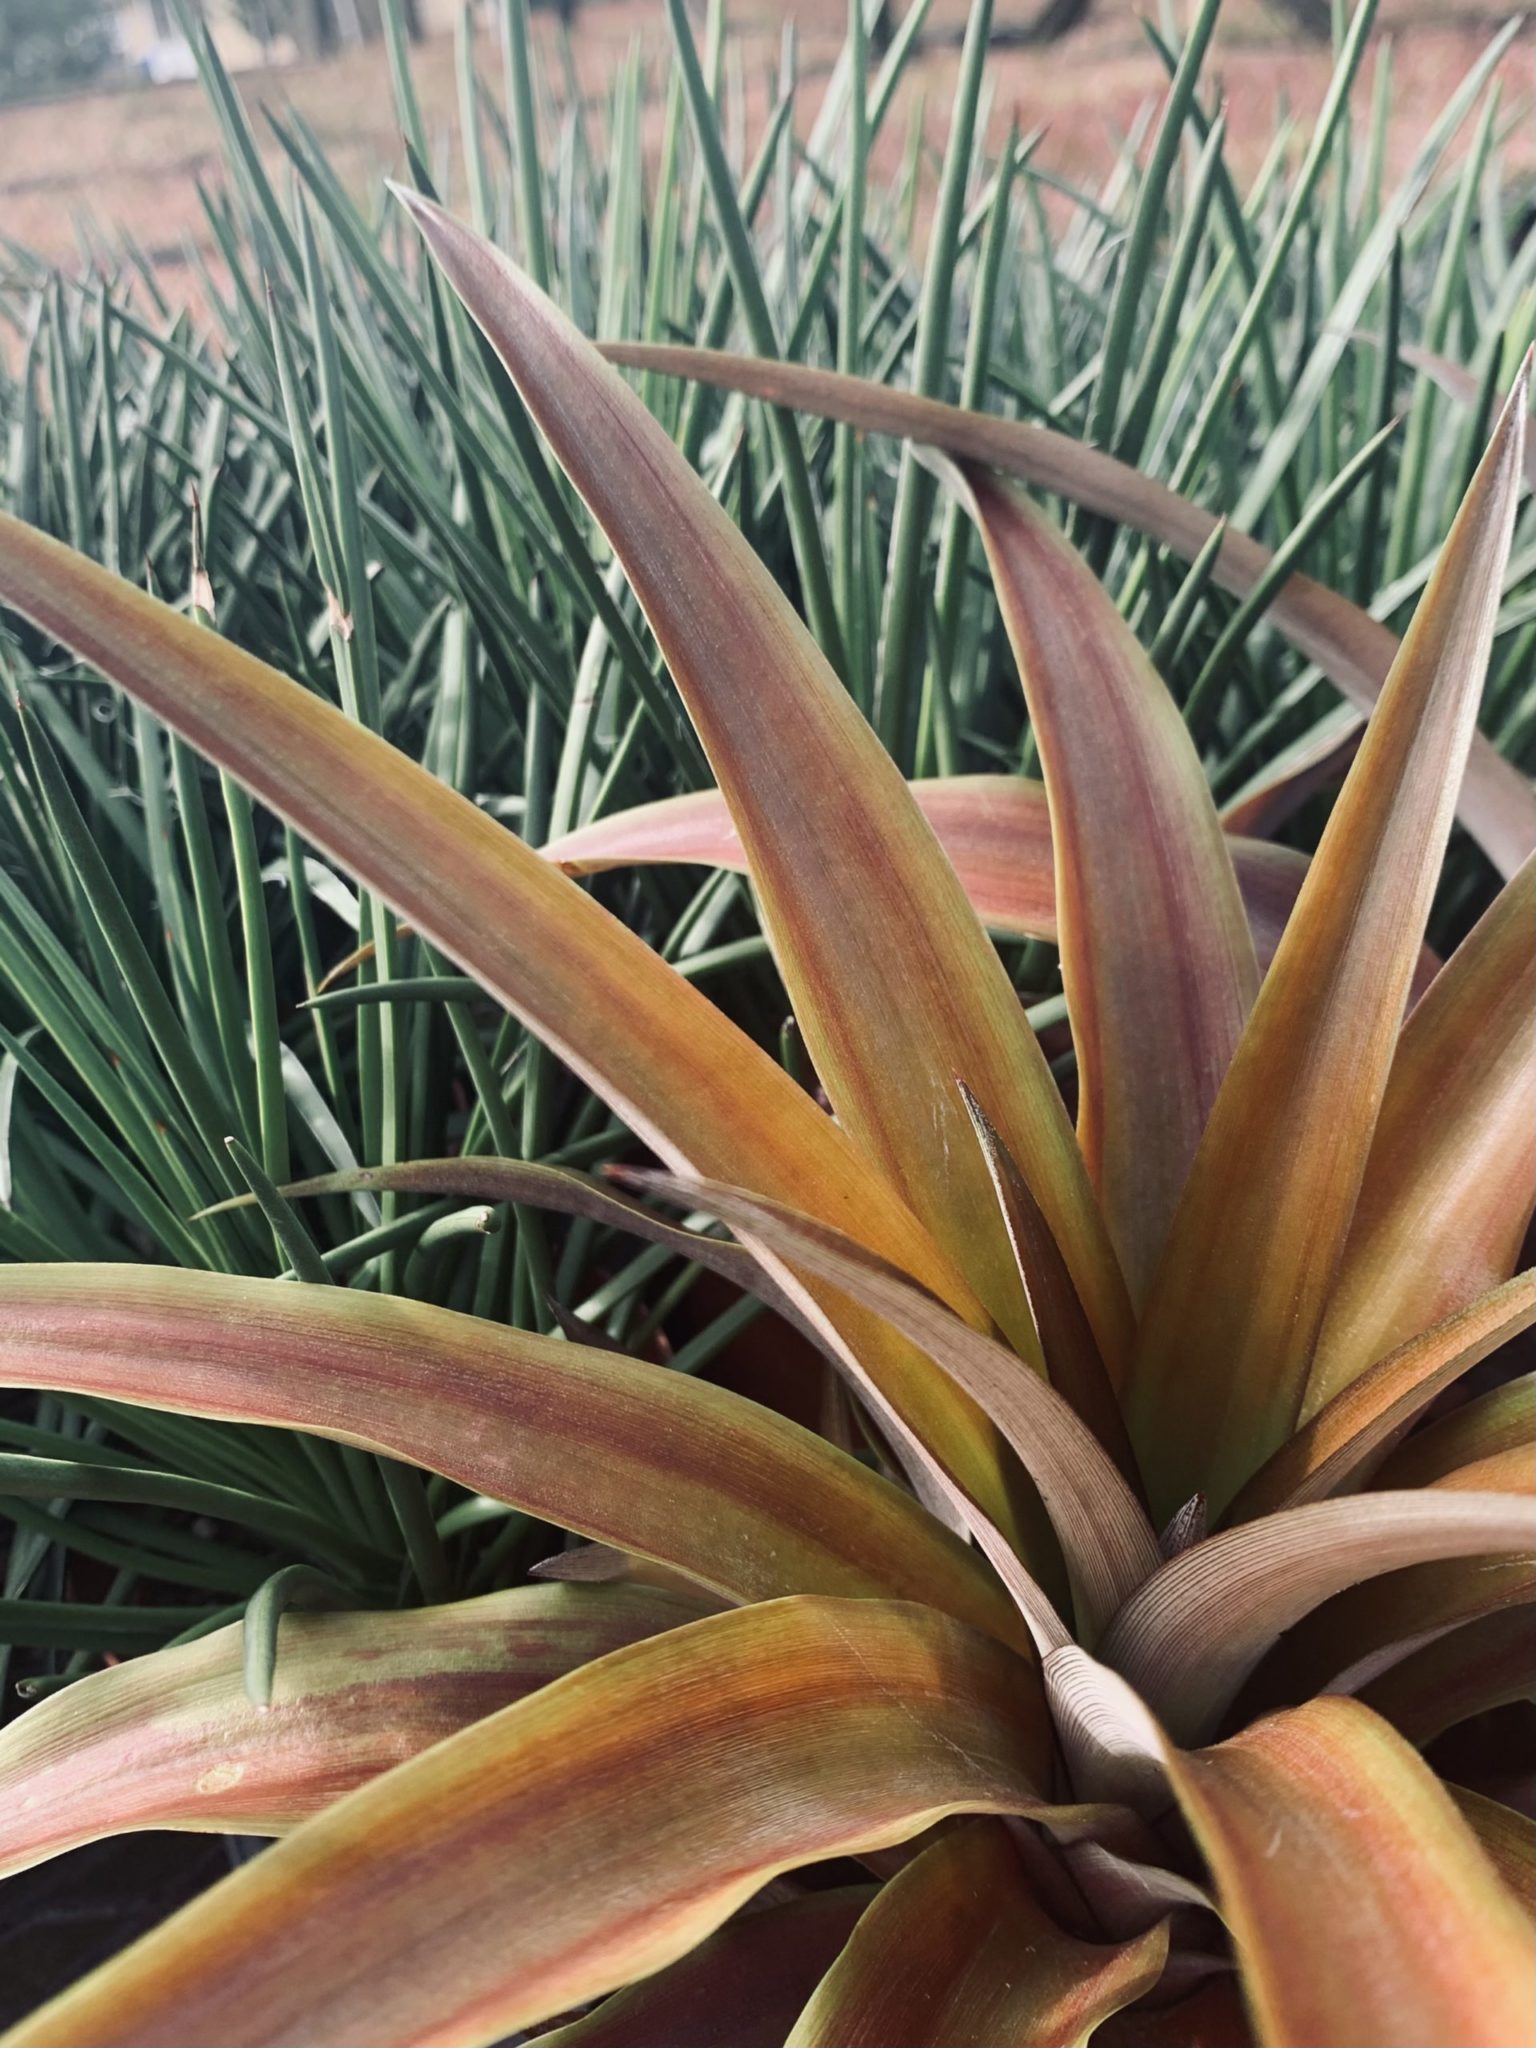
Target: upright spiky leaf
(1234,1314)
(1451,1178)
(1156,955)
(894,982)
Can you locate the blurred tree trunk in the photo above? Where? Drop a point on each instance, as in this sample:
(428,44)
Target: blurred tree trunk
(1056,18)
(359,20)
(1313,17)
(313,28)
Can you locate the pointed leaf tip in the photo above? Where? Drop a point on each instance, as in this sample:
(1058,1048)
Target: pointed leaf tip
(1236,1310)
(893,980)
(1156,955)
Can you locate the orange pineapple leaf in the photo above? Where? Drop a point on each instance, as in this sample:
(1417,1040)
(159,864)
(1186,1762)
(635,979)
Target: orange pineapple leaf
(172,1741)
(1109,1545)
(1484,1664)
(1156,956)
(1451,1179)
(1360,1903)
(1496,803)
(1211,2016)
(1494,1427)
(894,983)
(1318,760)
(676,1470)
(603,1826)
(996,830)
(1361,1421)
(1191,1635)
(1358,1634)
(482,1177)
(1072,1360)
(1508,1840)
(959,1948)
(1233,1318)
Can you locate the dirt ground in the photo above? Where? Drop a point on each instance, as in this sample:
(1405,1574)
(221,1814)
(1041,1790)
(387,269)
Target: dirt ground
(133,158)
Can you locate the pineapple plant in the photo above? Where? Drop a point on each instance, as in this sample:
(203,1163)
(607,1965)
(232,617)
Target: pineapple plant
(1091,1650)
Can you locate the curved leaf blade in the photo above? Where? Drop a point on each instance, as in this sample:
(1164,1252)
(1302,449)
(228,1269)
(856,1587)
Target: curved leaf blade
(957,1948)
(172,1741)
(1109,1545)
(895,984)
(1156,955)
(1192,1634)
(675,1470)
(1321,1820)
(1507,1839)
(996,830)
(1450,1182)
(1363,1418)
(1487,1663)
(1359,1634)
(1496,804)
(1072,1362)
(1211,2016)
(486,1178)
(696,1766)
(1494,1426)
(1234,1316)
